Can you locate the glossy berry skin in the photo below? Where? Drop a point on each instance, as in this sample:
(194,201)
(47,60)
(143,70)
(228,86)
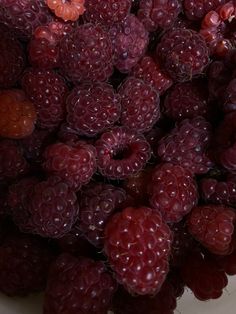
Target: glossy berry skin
(137,244)
(94,287)
(98,202)
(86,54)
(182,54)
(121,153)
(187,100)
(13,14)
(12,59)
(186,145)
(213,227)
(12,161)
(172,191)
(218,192)
(157,15)
(129,46)
(204,277)
(68,11)
(140,108)
(107,13)
(196,10)
(17,114)
(48,208)
(92,108)
(24,264)
(74,164)
(46,87)
(150,72)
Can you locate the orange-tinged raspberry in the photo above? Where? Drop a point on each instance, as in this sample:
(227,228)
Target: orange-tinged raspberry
(67,10)
(17,114)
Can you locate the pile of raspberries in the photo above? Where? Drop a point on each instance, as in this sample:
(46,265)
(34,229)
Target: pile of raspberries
(117,152)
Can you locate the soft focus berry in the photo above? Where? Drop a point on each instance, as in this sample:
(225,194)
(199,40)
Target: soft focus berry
(67,10)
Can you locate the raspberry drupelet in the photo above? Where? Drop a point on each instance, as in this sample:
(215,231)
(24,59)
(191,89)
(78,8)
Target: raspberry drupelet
(137,244)
(197,9)
(84,286)
(67,10)
(121,153)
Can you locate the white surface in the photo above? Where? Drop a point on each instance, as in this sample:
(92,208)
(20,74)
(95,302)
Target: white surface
(186,305)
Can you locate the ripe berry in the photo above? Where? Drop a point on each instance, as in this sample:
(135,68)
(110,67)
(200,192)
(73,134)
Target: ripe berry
(228,263)
(84,286)
(74,164)
(121,153)
(213,227)
(172,191)
(67,10)
(140,108)
(86,54)
(137,243)
(92,108)
(229,97)
(130,40)
(197,9)
(183,54)
(47,90)
(17,114)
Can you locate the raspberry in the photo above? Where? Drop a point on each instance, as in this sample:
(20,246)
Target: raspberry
(187,100)
(218,192)
(108,12)
(228,263)
(86,54)
(196,10)
(183,54)
(92,108)
(48,208)
(130,40)
(12,60)
(229,99)
(186,145)
(149,71)
(24,16)
(140,108)
(137,243)
(17,114)
(12,161)
(121,153)
(97,203)
(67,10)
(157,15)
(203,277)
(213,227)
(67,135)
(84,286)
(153,137)
(46,87)
(73,164)
(24,264)
(172,191)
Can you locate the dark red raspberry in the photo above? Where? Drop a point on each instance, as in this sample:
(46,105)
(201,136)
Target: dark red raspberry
(67,135)
(74,164)
(107,13)
(47,89)
(229,97)
(48,208)
(12,59)
(197,9)
(164,302)
(130,40)
(138,243)
(213,227)
(187,100)
(97,203)
(24,16)
(176,281)
(228,263)
(186,145)
(218,192)
(157,15)
(92,108)
(84,286)
(183,54)
(204,277)
(140,108)
(24,264)
(172,191)
(149,71)
(153,137)
(86,54)
(12,161)
(121,153)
